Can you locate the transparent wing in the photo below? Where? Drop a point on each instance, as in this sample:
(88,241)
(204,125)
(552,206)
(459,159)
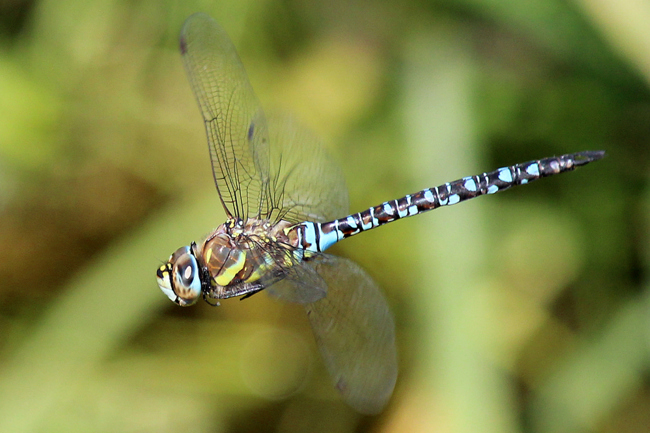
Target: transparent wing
(287,177)
(234,122)
(306,184)
(292,280)
(354,330)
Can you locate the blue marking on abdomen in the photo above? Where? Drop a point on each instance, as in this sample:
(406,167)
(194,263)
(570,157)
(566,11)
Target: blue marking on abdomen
(505,175)
(533,170)
(470,184)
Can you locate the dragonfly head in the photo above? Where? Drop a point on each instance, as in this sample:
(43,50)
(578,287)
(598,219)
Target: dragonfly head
(180,277)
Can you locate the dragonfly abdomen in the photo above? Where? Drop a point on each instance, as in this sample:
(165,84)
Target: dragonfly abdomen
(317,237)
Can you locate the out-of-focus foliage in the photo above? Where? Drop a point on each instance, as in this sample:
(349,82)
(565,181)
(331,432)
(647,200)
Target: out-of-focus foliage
(524,312)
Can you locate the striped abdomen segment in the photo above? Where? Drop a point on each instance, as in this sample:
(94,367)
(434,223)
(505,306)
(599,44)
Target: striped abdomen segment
(318,237)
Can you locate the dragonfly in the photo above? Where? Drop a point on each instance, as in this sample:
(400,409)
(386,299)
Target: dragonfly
(286,203)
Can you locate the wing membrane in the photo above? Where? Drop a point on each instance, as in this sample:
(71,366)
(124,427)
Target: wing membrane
(234,122)
(287,177)
(356,335)
(354,329)
(306,183)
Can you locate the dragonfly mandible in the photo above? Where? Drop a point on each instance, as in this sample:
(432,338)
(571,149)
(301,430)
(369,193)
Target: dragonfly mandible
(286,202)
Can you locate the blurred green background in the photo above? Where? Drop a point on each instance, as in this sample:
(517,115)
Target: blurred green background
(524,312)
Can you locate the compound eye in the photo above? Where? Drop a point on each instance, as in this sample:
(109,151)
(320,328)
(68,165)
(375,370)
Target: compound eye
(187,279)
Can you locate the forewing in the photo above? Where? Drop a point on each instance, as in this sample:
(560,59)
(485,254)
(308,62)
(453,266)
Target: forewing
(306,183)
(234,122)
(355,333)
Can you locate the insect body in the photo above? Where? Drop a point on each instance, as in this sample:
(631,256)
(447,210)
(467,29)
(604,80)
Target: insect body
(286,203)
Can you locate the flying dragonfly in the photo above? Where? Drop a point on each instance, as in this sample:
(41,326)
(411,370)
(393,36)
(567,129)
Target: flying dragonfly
(286,203)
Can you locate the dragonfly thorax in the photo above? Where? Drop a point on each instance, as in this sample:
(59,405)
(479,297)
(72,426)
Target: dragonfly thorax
(238,258)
